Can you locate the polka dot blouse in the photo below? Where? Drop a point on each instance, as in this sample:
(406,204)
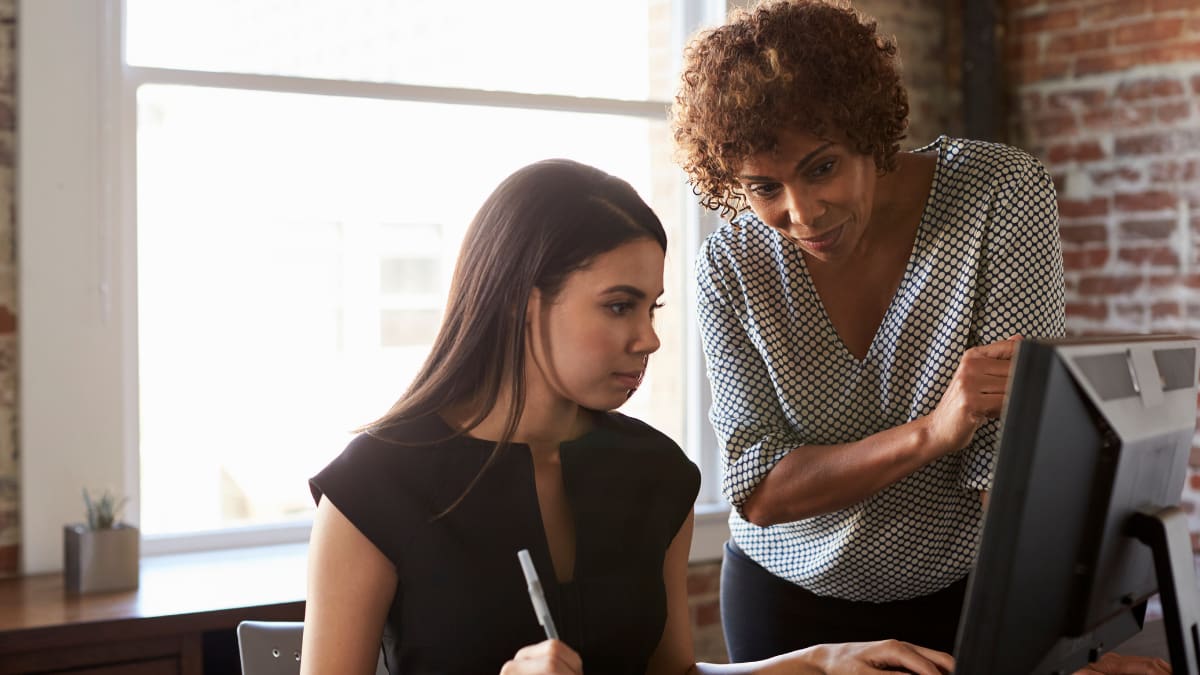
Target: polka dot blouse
(986,264)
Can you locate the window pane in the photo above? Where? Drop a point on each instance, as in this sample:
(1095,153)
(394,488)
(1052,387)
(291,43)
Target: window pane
(294,253)
(607,49)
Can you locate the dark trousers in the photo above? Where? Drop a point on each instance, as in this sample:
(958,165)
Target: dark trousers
(763,615)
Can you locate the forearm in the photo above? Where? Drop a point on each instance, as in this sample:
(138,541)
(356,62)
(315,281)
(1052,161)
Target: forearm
(817,479)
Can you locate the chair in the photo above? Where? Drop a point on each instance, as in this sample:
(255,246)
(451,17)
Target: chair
(273,648)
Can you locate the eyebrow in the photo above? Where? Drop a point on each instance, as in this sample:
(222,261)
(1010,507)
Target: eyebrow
(625,288)
(803,160)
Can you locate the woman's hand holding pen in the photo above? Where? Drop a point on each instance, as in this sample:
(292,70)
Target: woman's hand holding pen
(546,657)
(975,394)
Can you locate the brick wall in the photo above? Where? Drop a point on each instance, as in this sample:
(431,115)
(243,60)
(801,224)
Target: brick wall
(10,535)
(1107,93)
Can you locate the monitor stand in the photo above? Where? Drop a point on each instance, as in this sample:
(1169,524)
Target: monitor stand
(1165,531)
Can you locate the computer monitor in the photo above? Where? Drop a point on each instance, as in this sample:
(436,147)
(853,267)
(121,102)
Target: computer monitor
(1082,524)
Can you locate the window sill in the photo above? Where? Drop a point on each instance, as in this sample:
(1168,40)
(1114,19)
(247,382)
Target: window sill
(710,533)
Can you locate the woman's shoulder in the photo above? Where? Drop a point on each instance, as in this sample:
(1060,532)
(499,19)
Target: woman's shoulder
(390,454)
(995,163)
(742,245)
(650,443)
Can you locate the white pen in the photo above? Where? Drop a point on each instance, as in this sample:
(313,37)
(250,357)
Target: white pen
(535,594)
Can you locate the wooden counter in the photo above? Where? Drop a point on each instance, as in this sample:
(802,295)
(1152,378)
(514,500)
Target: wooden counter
(180,620)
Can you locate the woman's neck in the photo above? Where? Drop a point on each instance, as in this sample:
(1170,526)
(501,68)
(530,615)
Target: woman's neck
(545,420)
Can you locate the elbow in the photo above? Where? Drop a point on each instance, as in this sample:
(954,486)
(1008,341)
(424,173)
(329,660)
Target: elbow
(755,511)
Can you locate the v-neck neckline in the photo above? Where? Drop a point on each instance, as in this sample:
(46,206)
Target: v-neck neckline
(905,279)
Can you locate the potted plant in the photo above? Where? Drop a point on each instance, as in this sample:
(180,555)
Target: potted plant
(102,554)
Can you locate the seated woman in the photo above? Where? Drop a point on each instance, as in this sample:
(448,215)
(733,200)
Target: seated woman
(505,441)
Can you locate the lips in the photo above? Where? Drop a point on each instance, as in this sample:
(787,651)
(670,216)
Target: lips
(630,380)
(824,241)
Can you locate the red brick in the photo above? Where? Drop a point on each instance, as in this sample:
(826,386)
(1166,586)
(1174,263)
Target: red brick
(1131,312)
(1164,310)
(1098,120)
(1108,285)
(1078,208)
(1149,88)
(1055,125)
(1026,49)
(1167,282)
(701,582)
(1147,229)
(1031,102)
(1195,542)
(1173,52)
(1159,256)
(1068,44)
(1097,311)
(1161,6)
(1194,456)
(10,556)
(1173,170)
(1085,259)
(1143,32)
(1077,99)
(1106,63)
(1083,234)
(1029,72)
(1049,20)
(1173,141)
(1150,200)
(708,613)
(1196,84)
(1132,117)
(1088,151)
(1113,10)
(1174,113)
(1108,178)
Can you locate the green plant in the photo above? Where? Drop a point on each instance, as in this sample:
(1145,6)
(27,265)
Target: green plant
(103,513)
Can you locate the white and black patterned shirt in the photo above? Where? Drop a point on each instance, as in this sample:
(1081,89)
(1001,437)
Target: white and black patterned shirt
(986,264)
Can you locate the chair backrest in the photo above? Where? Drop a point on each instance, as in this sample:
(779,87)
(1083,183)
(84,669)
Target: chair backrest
(273,648)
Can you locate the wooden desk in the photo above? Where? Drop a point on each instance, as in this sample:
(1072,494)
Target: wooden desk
(179,621)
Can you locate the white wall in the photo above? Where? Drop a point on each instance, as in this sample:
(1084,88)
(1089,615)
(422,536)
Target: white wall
(68,219)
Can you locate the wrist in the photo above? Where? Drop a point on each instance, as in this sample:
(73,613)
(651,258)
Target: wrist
(930,442)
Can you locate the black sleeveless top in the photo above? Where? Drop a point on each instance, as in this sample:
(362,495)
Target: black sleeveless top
(461,604)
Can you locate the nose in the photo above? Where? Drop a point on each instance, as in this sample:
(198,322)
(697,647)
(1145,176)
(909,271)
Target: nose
(803,211)
(646,341)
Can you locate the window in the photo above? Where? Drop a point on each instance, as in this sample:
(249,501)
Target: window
(281,190)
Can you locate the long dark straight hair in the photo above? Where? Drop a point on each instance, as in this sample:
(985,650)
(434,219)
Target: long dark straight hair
(539,225)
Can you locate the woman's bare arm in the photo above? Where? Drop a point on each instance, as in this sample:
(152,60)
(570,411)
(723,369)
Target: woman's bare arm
(350,588)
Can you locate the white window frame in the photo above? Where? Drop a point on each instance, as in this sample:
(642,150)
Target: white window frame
(77,400)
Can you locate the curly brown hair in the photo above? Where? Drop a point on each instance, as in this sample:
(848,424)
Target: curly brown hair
(814,65)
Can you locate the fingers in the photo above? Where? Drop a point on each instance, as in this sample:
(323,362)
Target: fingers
(547,657)
(1117,664)
(940,659)
(890,655)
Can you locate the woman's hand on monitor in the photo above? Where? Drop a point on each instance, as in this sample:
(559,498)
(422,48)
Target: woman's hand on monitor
(975,394)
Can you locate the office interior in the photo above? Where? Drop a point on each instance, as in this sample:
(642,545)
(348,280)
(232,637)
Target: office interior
(1106,93)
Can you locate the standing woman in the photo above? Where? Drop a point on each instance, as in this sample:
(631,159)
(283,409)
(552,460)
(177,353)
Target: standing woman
(505,441)
(857,317)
